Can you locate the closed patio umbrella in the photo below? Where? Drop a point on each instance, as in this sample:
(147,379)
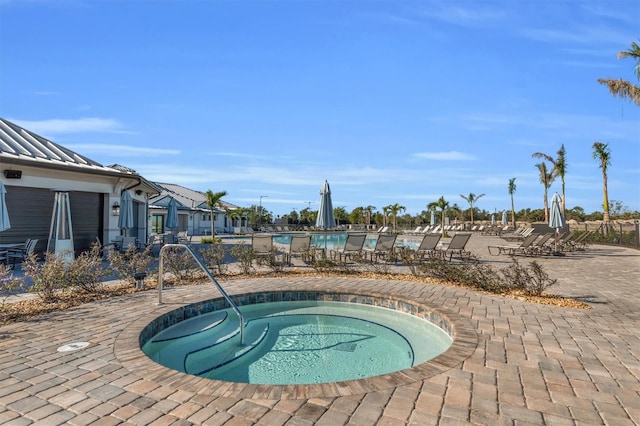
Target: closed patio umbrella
(326,219)
(172,214)
(556,220)
(493,219)
(125,221)
(4,212)
(432,222)
(504,218)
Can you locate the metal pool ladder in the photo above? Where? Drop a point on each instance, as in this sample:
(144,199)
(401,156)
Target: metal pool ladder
(211,277)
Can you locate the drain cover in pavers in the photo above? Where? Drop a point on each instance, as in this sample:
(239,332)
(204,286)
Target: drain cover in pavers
(73,346)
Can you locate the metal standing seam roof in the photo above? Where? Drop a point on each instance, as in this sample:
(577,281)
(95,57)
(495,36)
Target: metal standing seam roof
(21,144)
(188,198)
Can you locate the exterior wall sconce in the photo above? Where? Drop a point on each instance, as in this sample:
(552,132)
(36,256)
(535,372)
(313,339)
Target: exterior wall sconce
(115,209)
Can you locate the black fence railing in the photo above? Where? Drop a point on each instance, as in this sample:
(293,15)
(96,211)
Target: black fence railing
(623,233)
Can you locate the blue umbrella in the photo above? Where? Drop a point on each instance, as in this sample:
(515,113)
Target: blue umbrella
(504,218)
(125,221)
(4,213)
(556,220)
(326,219)
(172,214)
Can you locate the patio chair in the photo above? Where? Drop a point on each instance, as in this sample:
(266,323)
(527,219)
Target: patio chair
(300,246)
(513,249)
(19,254)
(456,246)
(384,248)
(427,246)
(128,242)
(262,246)
(353,246)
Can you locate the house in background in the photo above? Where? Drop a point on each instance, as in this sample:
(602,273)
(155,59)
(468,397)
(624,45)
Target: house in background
(194,215)
(34,169)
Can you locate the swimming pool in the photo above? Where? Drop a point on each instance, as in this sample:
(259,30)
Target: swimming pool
(297,341)
(336,240)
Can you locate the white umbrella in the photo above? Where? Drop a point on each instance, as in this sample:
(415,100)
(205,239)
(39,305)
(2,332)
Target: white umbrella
(433,218)
(4,213)
(125,221)
(326,219)
(172,214)
(505,221)
(493,219)
(556,220)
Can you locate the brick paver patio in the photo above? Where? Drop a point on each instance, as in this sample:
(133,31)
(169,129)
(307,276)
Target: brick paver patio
(530,364)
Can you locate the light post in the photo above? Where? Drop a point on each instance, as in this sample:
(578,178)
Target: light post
(260,210)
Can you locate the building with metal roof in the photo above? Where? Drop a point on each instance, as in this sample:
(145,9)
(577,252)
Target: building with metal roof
(35,169)
(194,215)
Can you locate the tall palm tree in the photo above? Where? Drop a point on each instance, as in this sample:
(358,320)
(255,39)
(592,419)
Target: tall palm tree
(546,179)
(213,199)
(443,205)
(559,168)
(512,190)
(471,199)
(620,87)
(394,209)
(602,153)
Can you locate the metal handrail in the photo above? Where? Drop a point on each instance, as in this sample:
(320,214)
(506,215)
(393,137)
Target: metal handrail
(206,270)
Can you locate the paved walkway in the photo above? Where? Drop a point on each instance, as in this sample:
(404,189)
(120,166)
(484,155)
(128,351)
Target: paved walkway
(528,363)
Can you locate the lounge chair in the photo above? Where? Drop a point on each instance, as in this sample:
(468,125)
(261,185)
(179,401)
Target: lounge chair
(353,246)
(262,246)
(579,242)
(427,246)
(518,235)
(300,246)
(456,246)
(540,245)
(513,249)
(384,248)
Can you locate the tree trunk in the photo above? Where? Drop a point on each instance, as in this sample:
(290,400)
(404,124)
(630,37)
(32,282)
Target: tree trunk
(605,204)
(513,213)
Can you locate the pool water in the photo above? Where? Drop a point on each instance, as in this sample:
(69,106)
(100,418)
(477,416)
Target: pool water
(300,342)
(337,240)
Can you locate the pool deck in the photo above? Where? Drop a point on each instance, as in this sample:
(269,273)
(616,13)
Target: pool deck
(528,364)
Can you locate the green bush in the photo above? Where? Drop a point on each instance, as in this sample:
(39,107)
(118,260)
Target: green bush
(243,254)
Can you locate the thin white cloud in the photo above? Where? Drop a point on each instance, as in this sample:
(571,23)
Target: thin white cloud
(81,125)
(444,156)
(121,150)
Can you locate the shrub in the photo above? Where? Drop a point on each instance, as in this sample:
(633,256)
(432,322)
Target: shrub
(213,257)
(48,277)
(129,263)
(9,285)
(243,254)
(181,264)
(86,272)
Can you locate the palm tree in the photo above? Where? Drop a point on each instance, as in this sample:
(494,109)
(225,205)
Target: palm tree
(443,205)
(546,179)
(559,168)
(213,199)
(512,190)
(602,153)
(394,209)
(471,199)
(620,87)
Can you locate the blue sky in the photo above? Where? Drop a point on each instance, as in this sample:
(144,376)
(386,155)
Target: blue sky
(390,101)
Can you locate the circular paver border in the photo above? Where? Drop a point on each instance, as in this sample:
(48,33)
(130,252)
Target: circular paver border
(127,350)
